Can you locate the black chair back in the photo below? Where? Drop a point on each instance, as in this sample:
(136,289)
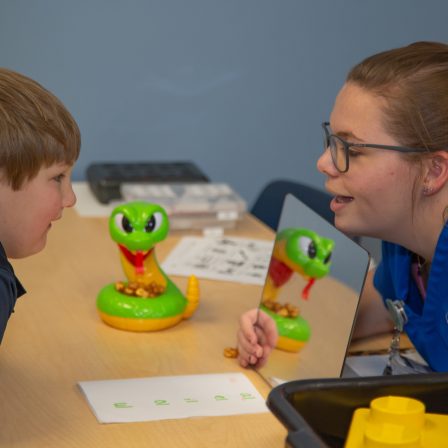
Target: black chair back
(268,205)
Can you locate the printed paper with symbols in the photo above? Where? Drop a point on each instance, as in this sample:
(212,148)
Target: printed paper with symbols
(172,397)
(234,259)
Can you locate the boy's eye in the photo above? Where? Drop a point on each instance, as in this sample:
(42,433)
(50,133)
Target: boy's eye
(59,178)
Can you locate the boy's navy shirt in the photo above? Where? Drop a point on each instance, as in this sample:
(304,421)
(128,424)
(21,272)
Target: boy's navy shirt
(10,290)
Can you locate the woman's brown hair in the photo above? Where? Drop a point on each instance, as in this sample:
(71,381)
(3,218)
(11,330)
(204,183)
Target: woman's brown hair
(414,82)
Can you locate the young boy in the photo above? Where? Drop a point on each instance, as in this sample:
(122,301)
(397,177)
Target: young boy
(39,143)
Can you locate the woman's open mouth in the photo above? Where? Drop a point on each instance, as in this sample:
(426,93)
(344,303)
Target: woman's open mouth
(339,202)
(343,199)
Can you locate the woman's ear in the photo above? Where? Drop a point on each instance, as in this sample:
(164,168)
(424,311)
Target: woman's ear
(436,172)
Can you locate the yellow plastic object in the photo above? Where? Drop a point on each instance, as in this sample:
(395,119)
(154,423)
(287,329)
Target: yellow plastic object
(397,422)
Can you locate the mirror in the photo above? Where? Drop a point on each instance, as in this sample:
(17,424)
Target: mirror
(312,291)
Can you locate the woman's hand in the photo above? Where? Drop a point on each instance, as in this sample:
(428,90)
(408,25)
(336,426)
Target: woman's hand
(256,338)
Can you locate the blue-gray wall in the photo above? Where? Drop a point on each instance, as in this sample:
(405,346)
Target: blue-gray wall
(238,86)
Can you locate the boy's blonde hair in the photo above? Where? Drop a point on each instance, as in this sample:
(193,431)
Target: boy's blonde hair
(36,130)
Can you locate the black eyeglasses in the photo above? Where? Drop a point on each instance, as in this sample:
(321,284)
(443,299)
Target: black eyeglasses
(340,149)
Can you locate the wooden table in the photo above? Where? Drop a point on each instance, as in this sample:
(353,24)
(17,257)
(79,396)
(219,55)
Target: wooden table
(55,339)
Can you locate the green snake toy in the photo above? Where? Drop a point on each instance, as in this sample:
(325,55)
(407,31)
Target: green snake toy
(149,301)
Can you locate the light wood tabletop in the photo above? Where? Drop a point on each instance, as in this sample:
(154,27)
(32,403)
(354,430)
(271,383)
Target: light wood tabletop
(55,339)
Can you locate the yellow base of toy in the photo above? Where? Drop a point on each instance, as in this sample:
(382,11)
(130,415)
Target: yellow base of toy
(397,422)
(132,324)
(289,345)
(146,314)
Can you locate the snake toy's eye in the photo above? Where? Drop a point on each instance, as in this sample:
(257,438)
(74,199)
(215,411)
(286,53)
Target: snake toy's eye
(327,258)
(154,222)
(308,247)
(122,223)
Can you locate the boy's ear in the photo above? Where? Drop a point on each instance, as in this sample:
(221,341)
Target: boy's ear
(436,172)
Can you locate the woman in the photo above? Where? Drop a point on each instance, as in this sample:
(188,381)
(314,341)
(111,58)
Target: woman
(386,163)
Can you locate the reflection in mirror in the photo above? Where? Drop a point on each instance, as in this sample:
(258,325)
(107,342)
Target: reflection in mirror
(312,292)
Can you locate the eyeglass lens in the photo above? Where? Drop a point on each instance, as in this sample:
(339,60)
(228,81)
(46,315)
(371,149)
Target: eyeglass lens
(337,150)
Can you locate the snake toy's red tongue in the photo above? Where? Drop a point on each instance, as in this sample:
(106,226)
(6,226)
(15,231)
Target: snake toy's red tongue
(136,259)
(139,258)
(306,290)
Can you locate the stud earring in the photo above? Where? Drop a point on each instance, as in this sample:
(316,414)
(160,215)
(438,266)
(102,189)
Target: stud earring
(427,190)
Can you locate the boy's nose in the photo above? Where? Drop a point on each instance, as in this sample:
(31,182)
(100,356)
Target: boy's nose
(69,197)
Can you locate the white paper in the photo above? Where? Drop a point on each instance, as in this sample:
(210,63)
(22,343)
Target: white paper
(172,397)
(233,259)
(373,365)
(87,205)
(368,365)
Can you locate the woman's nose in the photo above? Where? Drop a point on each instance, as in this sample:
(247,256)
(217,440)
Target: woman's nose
(325,164)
